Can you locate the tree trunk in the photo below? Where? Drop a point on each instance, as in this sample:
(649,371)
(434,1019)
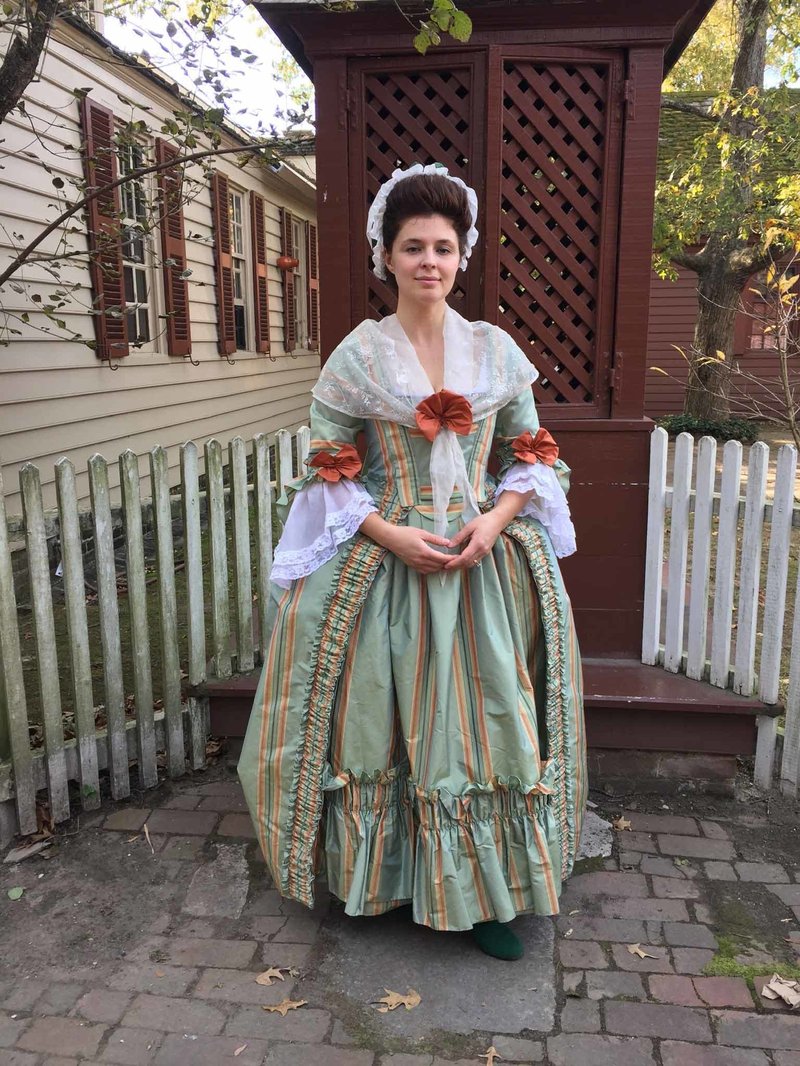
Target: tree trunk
(19,65)
(707,392)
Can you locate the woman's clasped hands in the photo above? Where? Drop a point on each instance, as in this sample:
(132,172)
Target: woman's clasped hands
(419,549)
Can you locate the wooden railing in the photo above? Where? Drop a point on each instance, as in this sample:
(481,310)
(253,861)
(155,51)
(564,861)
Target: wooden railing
(716,594)
(53,663)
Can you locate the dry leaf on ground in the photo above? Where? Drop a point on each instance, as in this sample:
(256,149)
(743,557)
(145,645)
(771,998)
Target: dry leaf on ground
(491,1056)
(268,976)
(636,949)
(782,988)
(621,823)
(393,1000)
(239,1050)
(287,1005)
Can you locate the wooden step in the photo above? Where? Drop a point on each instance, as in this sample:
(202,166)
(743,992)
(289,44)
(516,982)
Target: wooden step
(629,706)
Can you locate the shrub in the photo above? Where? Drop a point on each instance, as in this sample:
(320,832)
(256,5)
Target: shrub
(742,429)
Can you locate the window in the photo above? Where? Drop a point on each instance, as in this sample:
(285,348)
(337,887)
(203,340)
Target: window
(769,324)
(239,268)
(300,282)
(136,250)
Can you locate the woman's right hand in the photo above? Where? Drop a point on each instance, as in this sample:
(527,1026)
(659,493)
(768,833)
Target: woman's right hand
(415,547)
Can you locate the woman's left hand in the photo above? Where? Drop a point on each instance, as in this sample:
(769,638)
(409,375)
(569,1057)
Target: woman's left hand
(478,536)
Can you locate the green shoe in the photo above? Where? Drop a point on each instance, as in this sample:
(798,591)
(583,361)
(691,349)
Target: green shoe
(497,940)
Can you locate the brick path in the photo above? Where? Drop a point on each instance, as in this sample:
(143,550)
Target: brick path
(179,987)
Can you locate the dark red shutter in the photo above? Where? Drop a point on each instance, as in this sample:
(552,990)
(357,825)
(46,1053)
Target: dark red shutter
(173,251)
(104,234)
(289,293)
(313,286)
(223,264)
(258,241)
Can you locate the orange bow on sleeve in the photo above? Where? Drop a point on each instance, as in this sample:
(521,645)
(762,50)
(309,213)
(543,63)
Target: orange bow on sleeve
(334,466)
(444,410)
(539,449)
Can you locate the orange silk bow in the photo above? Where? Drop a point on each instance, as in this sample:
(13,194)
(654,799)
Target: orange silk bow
(333,467)
(444,410)
(539,449)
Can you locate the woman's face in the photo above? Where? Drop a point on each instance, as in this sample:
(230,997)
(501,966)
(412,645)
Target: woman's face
(424,259)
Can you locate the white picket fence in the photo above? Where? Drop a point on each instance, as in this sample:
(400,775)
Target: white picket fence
(179,727)
(709,628)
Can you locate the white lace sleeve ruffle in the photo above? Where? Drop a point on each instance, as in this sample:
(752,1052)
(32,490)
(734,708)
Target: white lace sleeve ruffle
(323,515)
(549,504)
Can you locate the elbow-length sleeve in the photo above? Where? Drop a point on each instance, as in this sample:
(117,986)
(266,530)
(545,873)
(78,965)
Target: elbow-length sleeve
(529,463)
(326,505)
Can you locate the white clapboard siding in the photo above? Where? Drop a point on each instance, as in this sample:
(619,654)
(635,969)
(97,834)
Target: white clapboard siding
(56,398)
(204,514)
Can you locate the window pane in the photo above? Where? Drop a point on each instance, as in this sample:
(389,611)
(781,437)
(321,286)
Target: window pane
(241,327)
(141,286)
(129,297)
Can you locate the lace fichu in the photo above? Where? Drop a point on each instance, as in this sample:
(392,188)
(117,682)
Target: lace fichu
(549,505)
(376,374)
(324,514)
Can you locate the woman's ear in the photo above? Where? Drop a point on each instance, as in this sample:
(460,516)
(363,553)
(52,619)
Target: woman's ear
(387,260)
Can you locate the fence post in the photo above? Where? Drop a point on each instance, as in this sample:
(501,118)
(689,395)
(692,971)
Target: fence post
(168,613)
(303,444)
(651,642)
(701,558)
(44,628)
(196,622)
(750,571)
(243,582)
(790,763)
(140,627)
(220,603)
(722,618)
(108,607)
(262,499)
(78,634)
(678,551)
(283,447)
(13,704)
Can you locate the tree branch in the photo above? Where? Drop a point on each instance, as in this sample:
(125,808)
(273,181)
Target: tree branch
(22,59)
(689,108)
(133,175)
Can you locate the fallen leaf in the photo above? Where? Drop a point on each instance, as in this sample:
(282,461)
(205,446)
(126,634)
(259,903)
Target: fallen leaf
(573,912)
(681,862)
(393,1000)
(15,893)
(287,1005)
(149,841)
(27,851)
(491,1056)
(568,933)
(159,973)
(782,988)
(621,823)
(636,949)
(268,976)
(239,1050)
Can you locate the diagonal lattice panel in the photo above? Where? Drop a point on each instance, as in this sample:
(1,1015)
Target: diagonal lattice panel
(411,117)
(553,146)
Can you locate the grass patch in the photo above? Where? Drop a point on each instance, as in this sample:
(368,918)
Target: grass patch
(725,963)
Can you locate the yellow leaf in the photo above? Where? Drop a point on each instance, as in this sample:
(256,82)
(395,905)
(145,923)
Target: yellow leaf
(784,283)
(636,949)
(287,1005)
(393,1000)
(720,355)
(491,1056)
(621,823)
(268,976)
(658,370)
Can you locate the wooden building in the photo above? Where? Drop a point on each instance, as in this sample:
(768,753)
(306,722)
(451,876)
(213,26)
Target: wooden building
(551,112)
(187,357)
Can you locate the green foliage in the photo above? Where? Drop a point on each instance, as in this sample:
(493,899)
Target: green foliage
(443,17)
(742,429)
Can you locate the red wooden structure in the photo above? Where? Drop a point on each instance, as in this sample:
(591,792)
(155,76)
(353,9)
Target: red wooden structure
(551,112)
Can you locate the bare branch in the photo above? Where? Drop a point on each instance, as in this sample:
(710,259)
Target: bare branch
(689,108)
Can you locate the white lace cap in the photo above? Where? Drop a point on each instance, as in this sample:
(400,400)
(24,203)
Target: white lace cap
(378,208)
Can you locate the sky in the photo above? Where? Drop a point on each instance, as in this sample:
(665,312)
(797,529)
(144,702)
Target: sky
(255,86)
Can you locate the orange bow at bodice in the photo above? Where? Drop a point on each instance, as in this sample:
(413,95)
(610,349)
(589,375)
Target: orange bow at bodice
(444,410)
(539,449)
(334,466)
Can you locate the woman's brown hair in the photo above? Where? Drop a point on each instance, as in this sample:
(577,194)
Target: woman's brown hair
(424,195)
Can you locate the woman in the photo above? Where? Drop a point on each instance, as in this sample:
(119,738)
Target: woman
(417,733)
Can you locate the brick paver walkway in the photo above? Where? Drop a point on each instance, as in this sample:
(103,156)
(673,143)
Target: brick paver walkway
(179,933)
